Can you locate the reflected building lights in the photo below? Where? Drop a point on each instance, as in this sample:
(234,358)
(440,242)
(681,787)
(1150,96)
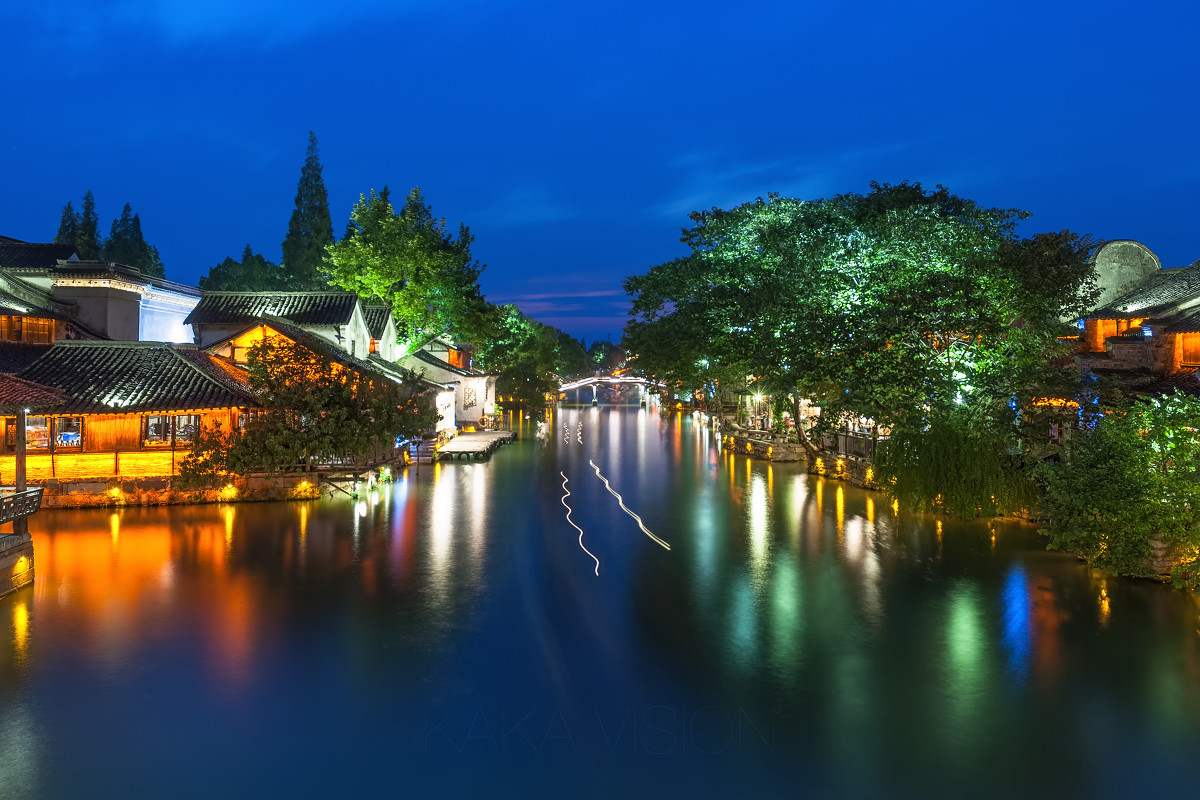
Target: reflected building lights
(760,528)
(20,629)
(1016,620)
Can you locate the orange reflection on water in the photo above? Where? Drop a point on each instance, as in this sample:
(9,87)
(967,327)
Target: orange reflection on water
(114,576)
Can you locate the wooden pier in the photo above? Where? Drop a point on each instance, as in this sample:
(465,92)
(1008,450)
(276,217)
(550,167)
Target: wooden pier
(474,446)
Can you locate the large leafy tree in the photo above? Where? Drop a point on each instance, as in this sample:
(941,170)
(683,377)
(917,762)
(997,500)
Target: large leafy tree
(900,304)
(254,273)
(525,353)
(126,245)
(409,259)
(312,411)
(310,229)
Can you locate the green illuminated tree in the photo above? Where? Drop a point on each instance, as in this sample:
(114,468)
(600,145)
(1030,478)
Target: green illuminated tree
(1126,495)
(898,304)
(524,353)
(410,260)
(310,229)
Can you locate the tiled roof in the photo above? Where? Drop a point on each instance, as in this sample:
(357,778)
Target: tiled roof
(301,308)
(101,270)
(1157,297)
(11,240)
(432,360)
(17,393)
(377,319)
(135,377)
(16,356)
(1184,380)
(23,255)
(372,365)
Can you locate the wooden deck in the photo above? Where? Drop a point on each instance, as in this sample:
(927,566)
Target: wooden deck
(472,446)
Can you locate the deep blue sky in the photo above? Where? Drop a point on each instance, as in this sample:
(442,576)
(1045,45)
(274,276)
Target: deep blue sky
(574,138)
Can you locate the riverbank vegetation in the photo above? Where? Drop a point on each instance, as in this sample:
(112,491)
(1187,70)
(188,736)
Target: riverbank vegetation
(312,412)
(930,315)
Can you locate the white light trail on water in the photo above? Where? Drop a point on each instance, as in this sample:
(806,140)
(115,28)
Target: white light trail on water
(641,524)
(573,525)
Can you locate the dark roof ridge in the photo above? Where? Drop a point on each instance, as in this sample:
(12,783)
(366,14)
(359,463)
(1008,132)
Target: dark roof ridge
(274,292)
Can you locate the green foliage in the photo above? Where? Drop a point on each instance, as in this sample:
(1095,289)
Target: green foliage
(126,245)
(253,273)
(207,465)
(899,305)
(310,229)
(409,260)
(313,411)
(956,464)
(1126,495)
(606,356)
(570,359)
(524,353)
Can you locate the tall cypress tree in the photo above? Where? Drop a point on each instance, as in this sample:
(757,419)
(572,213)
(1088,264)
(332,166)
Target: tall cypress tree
(310,229)
(87,241)
(68,226)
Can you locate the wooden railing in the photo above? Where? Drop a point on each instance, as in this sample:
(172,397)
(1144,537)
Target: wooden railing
(14,504)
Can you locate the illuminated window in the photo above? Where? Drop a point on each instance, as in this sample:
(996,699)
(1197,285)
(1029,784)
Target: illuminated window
(26,329)
(157,430)
(373,347)
(68,433)
(37,433)
(186,428)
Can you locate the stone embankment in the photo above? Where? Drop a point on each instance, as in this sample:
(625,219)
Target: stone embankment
(159,491)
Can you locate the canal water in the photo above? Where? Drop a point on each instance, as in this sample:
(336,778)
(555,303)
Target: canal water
(448,633)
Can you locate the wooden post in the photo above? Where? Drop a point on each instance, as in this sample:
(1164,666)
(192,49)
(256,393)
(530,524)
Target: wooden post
(21,524)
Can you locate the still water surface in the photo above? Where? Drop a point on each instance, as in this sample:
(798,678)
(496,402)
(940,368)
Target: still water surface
(448,634)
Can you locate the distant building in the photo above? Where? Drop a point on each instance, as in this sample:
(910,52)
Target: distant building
(91,299)
(442,362)
(1147,331)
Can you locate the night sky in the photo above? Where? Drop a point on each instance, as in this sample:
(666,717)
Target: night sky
(574,138)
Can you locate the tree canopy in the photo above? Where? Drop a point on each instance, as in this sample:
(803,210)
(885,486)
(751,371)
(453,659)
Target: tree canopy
(254,273)
(313,410)
(409,259)
(901,304)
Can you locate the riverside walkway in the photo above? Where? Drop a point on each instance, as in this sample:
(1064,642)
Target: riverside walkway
(477,445)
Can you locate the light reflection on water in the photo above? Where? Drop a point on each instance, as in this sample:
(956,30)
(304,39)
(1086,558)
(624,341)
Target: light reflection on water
(869,650)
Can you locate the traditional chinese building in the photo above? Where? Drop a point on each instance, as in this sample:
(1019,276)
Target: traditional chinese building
(73,299)
(130,409)
(1147,331)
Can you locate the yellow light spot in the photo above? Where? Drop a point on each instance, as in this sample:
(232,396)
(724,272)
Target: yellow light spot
(20,627)
(869,475)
